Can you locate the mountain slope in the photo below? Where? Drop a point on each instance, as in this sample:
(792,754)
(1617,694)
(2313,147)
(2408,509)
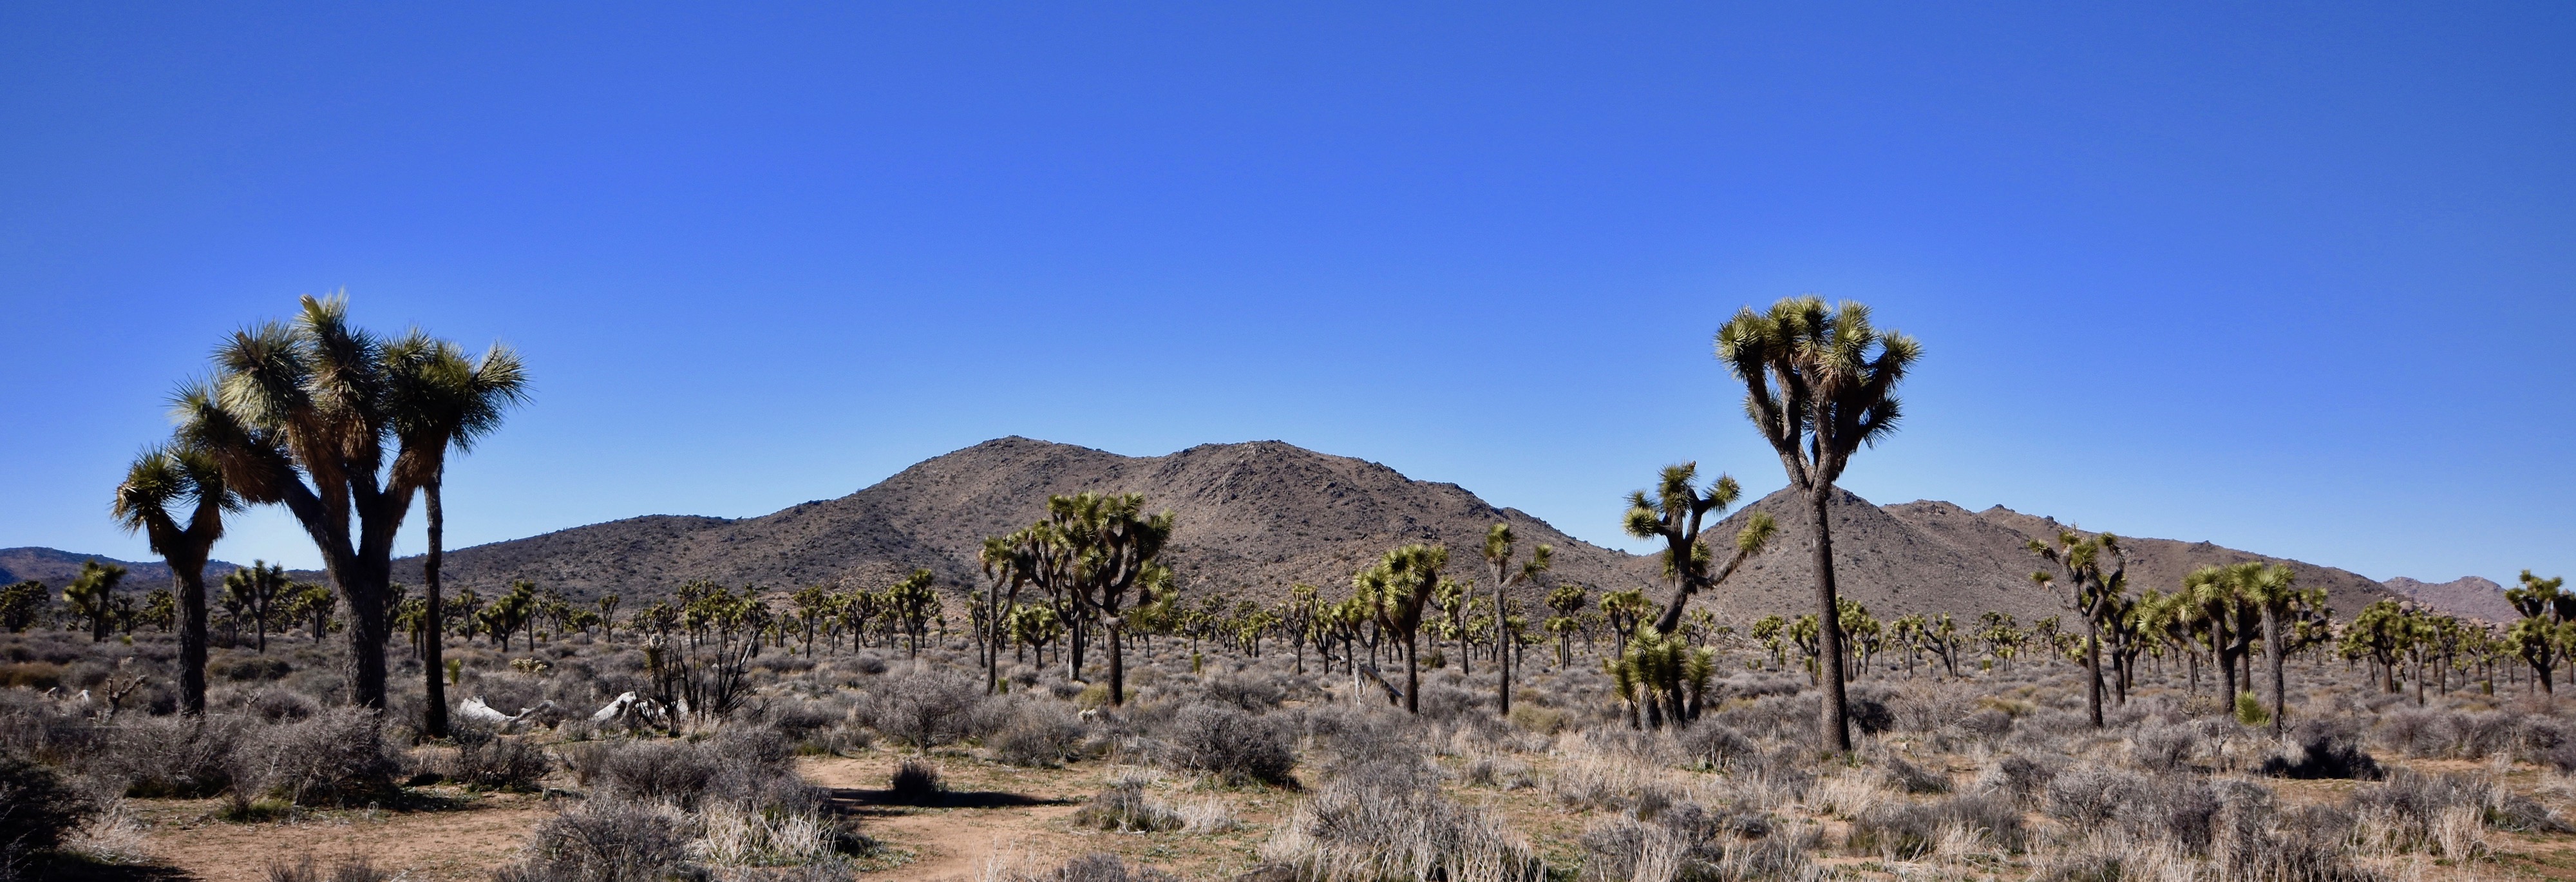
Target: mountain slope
(1253,518)
(2467,596)
(57,568)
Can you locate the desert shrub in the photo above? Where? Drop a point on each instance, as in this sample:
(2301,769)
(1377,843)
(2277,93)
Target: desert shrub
(352,868)
(497,763)
(2256,841)
(1710,744)
(915,782)
(1687,841)
(1987,723)
(1869,715)
(745,836)
(337,757)
(869,663)
(924,706)
(605,841)
(1093,867)
(2163,748)
(2023,778)
(1036,735)
(1502,772)
(34,675)
(1389,820)
(1907,830)
(1125,807)
(674,772)
(2088,796)
(1225,742)
(281,705)
(255,669)
(37,807)
(2405,812)
(1915,779)
(2182,810)
(168,756)
(2324,749)
(1251,693)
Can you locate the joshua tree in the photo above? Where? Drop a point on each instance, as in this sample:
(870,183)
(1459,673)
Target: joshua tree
(158,480)
(2274,590)
(607,617)
(910,603)
(299,415)
(2545,612)
(92,596)
(1498,562)
(441,400)
(1566,600)
(259,587)
(1673,513)
(1819,383)
(2090,592)
(2382,630)
(1397,589)
(22,605)
(1003,576)
(314,600)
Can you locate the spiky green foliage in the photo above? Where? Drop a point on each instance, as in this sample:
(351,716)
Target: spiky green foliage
(163,483)
(1819,383)
(1395,591)
(92,596)
(2548,611)
(1673,512)
(257,590)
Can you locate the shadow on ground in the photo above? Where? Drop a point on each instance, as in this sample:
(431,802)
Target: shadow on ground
(858,801)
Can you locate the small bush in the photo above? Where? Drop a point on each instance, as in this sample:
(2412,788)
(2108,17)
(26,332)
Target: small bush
(2324,750)
(915,782)
(672,772)
(924,706)
(2164,748)
(337,757)
(498,764)
(1125,808)
(1915,779)
(1037,735)
(1095,867)
(1713,745)
(1230,744)
(353,868)
(1386,821)
(1907,830)
(605,841)
(255,669)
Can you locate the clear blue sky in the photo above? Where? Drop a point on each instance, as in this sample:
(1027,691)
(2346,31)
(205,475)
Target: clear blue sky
(2295,278)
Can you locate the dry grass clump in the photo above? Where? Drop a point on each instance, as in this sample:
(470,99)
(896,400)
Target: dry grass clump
(1389,820)
(1125,807)
(1229,744)
(1904,830)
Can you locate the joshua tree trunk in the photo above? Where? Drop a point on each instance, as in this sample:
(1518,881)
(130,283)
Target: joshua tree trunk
(434,633)
(1829,629)
(1502,654)
(2093,669)
(1412,678)
(1117,660)
(192,640)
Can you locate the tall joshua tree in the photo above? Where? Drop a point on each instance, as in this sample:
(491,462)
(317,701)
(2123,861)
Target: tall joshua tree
(2091,591)
(1396,590)
(1673,513)
(173,476)
(1819,382)
(2537,637)
(1498,561)
(442,401)
(301,415)
(2274,590)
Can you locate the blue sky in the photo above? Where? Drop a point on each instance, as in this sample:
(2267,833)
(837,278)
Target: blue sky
(2295,278)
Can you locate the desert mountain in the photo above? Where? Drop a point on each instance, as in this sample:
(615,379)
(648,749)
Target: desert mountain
(57,568)
(2468,597)
(1254,518)
(1257,517)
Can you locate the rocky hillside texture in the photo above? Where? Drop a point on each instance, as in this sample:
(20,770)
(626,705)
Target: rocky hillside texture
(2467,597)
(1257,517)
(56,568)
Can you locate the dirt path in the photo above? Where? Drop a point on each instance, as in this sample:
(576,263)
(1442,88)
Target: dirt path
(431,846)
(993,815)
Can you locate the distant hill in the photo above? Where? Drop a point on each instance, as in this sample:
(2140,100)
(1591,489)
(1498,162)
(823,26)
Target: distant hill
(57,568)
(2468,597)
(1256,517)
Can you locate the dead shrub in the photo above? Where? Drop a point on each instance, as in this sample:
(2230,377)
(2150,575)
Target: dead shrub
(1231,745)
